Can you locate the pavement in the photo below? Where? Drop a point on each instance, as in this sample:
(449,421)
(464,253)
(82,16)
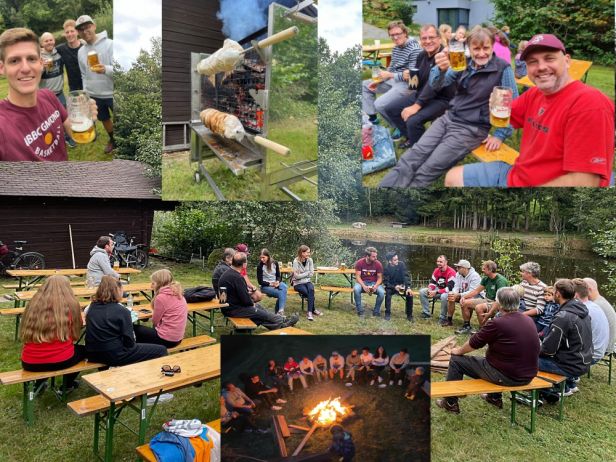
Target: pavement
(371,32)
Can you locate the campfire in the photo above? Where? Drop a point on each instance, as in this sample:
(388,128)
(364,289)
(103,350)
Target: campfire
(328,412)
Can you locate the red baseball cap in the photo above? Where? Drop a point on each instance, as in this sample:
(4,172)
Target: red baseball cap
(542,41)
(242,248)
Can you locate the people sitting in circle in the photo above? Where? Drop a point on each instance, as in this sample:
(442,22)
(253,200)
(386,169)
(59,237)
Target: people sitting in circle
(257,391)
(303,270)
(169,314)
(270,281)
(336,366)
(307,368)
(50,325)
(293,373)
(110,338)
(320,367)
(352,362)
(276,376)
(380,361)
(397,366)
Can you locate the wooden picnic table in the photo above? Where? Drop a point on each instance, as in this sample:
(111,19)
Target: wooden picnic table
(376,52)
(287,331)
(143,287)
(348,273)
(128,387)
(578,70)
(200,309)
(31,277)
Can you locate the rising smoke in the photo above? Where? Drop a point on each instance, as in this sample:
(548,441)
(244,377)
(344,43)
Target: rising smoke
(243,17)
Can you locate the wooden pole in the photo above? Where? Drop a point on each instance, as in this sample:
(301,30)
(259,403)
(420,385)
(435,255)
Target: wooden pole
(305,440)
(70,233)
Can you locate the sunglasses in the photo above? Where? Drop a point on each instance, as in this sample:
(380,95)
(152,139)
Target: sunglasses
(170,371)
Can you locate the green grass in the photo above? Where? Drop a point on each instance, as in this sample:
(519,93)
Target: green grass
(82,152)
(481,432)
(178,172)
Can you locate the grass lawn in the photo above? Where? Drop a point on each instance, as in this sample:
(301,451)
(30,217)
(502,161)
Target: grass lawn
(585,434)
(82,152)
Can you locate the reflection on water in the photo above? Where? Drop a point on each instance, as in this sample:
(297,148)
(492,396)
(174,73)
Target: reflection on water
(420,260)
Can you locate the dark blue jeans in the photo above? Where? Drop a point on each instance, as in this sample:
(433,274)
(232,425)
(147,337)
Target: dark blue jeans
(307,291)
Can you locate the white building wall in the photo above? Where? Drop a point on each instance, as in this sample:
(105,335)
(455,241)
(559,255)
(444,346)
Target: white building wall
(480,10)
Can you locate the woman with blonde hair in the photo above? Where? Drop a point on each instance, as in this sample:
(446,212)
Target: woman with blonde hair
(50,325)
(445,32)
(110,338)
(169,312)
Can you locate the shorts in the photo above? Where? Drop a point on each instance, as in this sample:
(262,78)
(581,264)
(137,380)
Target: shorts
(486,174)
(104,105)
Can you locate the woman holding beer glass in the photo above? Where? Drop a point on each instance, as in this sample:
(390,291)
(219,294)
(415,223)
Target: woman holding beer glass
(467,122)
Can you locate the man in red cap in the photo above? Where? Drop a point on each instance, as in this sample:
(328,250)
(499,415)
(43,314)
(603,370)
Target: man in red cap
(568,136)
(255,293)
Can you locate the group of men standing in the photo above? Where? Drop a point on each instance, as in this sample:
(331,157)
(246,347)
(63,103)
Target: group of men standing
(34,124)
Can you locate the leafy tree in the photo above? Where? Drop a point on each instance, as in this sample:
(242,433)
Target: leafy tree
(508,256)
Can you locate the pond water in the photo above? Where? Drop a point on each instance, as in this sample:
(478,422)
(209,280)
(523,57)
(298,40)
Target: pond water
(420,260)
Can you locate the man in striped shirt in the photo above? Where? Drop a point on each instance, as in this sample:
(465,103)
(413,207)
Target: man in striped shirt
(533,288)
(391,85)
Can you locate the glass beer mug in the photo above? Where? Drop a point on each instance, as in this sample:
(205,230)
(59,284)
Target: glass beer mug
(456,56)
(93,59)
(376,74)
(500,106)
(79,114)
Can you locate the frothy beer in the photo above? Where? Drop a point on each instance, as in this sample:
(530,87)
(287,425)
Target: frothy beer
(499,116)
(83,130)
(93,59)
(457,60)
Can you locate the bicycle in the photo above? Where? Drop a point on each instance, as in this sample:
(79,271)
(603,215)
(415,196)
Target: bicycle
(18,259)
(126,253)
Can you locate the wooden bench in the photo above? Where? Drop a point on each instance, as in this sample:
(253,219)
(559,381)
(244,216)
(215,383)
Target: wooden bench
(469,387)
(606,361)
(28,378)
(504,154)
(335,290)
(146,453)
(242,325)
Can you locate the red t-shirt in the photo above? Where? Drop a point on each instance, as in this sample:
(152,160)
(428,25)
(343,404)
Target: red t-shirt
(369,271)
(45,353)
(33,133)
(569,131)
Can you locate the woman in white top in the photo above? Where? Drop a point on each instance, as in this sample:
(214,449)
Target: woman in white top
(303,270)
(379,363)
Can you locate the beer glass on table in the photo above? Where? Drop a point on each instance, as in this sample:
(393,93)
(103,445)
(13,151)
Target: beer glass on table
(457,59)
(500,106)
(79,114)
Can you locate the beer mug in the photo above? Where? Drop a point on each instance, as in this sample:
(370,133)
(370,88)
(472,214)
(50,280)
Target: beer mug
(457,59)
(413,79)
(222,294)
(500,106)
(93,59)
(376,74)
(116,263)
(48,64)
(79,114)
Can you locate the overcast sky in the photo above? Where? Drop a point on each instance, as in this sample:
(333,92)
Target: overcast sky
(340,23)
(135,22)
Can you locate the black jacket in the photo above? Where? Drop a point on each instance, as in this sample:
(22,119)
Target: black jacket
(425,92)
(220,269)
(569,341)
(109,328)
(394,275)
(237,291)
(260,273)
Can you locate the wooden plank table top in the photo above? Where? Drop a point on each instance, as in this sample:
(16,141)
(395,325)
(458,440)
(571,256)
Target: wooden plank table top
(66,272)
(138,379)
(372,48)
(577,70)
(87,291)
(191,307)
(287,331)
(288,270)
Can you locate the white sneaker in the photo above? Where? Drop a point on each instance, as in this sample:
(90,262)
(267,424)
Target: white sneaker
(400,382)
(391,382)
(349,384)
(383,385)
(276,408)
(371,382)
(163,398)
(281,401)
(318,313)
(281,313)
(310,318)
(380,379)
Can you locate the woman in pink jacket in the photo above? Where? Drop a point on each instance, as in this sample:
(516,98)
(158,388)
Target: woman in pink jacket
(169,312)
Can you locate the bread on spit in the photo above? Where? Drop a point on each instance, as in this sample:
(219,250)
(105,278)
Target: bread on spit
(223,124)
(223,60)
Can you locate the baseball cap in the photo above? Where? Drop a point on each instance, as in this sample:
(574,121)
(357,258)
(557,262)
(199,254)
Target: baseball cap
(83,20)
(463,264)
(542,41)
(242,248)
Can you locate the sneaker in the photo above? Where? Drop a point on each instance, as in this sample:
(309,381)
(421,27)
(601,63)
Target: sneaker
(526,401)
(310,318)
(161,399)
(380,379)
(550,398)
(383,385)
(317,313)
(410,319)
(276,408)
(262,431)
(349,384)
(371,382)
(405,145)
(71,142)
(576,380)
(290,322)
(426,316)
(446,323)
(444,404)
(400,382)
(109,148)
(361,315)
(395,135)
(376,314)
(281,401)
(464,330)
(498,402)
(387,317)
(391,382)
(281,313)
(570,391)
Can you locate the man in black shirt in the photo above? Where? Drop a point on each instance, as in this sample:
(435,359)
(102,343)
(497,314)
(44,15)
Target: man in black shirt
(222,267)
(257,390)
(69,51)
(241,305)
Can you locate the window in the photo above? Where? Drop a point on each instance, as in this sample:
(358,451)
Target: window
(453,16)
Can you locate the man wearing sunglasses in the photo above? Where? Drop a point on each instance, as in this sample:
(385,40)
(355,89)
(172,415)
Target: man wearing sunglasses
(392,85)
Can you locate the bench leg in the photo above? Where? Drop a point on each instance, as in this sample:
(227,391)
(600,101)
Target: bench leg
(111,418)
(17,320)
(513,407)
(97,426)
(609,368)
(329,301)
(533,409)
(28,402)
(562,400)
(143,420)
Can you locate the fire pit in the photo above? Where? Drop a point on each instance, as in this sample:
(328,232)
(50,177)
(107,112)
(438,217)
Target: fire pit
(328,412)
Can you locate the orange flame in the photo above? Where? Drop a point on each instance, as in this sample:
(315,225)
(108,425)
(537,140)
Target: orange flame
(326,412)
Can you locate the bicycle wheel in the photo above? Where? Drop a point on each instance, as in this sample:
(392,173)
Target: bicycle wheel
(29,260)
(140,259)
